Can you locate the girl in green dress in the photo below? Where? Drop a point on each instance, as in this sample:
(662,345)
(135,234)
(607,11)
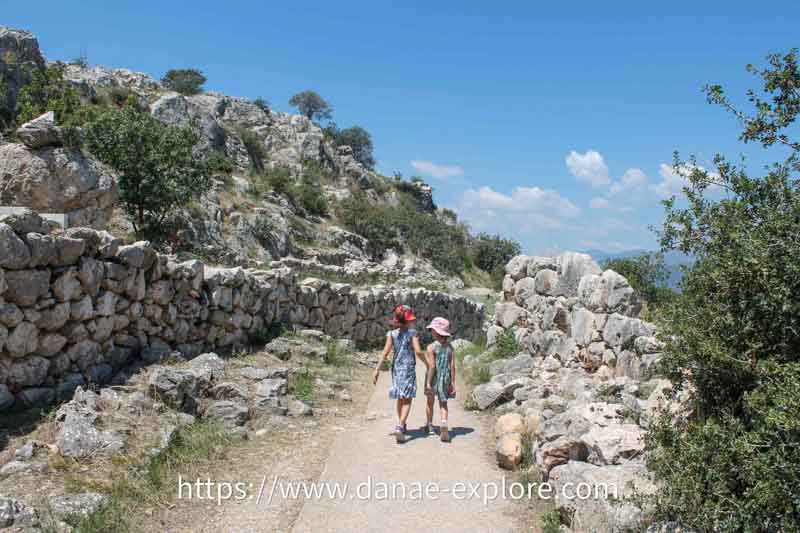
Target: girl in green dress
(440,380)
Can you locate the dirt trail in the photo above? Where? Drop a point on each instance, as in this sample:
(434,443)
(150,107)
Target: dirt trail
(367,451)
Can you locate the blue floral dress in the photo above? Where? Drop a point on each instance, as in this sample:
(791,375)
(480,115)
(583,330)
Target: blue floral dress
(404,372)
(441,380)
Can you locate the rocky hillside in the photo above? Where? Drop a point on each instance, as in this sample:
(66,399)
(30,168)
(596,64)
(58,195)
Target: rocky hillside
(577,397)
(245,219)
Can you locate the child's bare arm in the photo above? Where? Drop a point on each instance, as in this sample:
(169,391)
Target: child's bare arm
(386,349)
(453,369)
(418,351)
(429,362)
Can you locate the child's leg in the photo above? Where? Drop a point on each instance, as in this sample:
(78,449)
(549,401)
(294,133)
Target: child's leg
(405,407)
(429,408)
(443,412)
(399,408)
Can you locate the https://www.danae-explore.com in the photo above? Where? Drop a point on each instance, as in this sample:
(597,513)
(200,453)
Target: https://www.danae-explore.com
(275,488)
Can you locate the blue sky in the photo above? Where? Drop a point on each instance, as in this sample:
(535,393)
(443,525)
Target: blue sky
(549,124)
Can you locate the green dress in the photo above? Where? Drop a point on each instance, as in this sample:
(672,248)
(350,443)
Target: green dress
(441,381)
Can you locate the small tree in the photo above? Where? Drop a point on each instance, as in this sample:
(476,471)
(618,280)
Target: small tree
(732,461)
(157,165)
(262,104)
(312,105)
(360,141)
(184,80)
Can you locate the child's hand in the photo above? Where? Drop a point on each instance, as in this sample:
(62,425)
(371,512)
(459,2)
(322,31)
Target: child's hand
(451,390)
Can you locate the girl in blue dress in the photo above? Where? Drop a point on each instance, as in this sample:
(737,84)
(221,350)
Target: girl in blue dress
(404,343)
(441,376)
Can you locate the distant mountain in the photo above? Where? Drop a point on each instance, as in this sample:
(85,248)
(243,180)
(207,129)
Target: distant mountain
(674,261)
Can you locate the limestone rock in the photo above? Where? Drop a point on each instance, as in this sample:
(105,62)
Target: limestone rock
(509,423)
(608,509)
(41,131)
(57,180)
(508,450)
(14,254)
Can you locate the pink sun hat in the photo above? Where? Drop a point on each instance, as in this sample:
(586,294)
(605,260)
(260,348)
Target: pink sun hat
(441,326)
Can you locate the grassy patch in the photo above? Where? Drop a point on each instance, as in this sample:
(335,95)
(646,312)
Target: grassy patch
(337,355)
(506,345)
(133,488)
(302,386)
(550,522)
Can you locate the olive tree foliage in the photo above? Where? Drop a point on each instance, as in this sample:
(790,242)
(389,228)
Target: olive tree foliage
(729,460)
(184,80)
(312,106)
(158,168)
(360,141)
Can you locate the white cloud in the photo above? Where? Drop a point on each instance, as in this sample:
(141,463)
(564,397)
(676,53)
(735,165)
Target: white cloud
(589,167)
(442,172)
(632,179)
(599,203)
(527,210)
(673,181)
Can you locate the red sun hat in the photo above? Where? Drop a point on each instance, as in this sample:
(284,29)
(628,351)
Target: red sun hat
(403,314)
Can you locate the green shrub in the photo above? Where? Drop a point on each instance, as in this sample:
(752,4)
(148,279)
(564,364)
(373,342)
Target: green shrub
(255,149)
(263,230)
(550,522)
(308,195)
(185,80)
(374,223)
(302,386)
(506,345)
(647,273)
(492,252)
(733,333)
(157,166)
(360,141)
(219,163)
(47,90)
(262,104)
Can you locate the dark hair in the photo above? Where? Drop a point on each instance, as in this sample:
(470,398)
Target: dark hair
(399,316)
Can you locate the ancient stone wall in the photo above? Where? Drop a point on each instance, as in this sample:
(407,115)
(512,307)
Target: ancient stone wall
(78,306)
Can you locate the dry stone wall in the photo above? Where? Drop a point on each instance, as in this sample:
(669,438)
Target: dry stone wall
(78,306)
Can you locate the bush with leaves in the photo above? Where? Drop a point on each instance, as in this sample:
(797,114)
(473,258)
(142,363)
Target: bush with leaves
(157,165)
(256,151)
(404,226)
(647,273)
(732,462)
(47,90)
(308,195)
(184,80)
(360,141)
(219,163)
(311,105)
(262,104)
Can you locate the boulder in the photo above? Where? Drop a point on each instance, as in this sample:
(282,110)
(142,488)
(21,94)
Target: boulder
(80,505)
(26,287)
(57,180)
(14,513)
(14,254)
(614,444)
(621,330)
(509,423)
(41,131)
(228,413)
(602,503)
(572,267)
(508,450)
(508,314)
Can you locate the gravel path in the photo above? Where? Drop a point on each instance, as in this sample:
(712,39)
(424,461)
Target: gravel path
(367,451)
